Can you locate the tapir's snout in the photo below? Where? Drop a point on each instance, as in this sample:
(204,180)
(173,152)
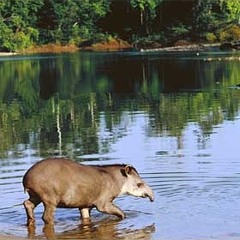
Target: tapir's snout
(151,198)
(149,194)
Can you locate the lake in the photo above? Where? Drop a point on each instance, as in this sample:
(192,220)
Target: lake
(173,116)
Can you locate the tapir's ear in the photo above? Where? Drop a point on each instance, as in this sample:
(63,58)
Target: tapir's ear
(127,170)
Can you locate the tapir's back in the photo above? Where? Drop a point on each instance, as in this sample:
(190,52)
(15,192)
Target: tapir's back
(60,176)
(48,169)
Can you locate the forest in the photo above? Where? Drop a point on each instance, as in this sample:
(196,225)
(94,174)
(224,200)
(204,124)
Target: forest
(142,23)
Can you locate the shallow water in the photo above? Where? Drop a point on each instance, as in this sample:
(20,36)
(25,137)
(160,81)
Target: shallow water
(175,118)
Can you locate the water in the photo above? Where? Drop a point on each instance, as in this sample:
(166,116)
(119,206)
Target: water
(174,117)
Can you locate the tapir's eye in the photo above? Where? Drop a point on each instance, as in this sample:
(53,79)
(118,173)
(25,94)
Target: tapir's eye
(140,184)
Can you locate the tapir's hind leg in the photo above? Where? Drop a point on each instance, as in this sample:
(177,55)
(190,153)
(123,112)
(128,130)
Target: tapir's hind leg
(29,205)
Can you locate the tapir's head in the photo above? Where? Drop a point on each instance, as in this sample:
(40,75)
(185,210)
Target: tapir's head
(134,185)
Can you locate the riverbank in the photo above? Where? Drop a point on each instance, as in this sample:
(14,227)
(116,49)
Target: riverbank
(52,48)
(110,45)
(185,48)
(115,45)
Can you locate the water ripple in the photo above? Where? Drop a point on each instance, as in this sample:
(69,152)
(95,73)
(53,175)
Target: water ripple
(202,194)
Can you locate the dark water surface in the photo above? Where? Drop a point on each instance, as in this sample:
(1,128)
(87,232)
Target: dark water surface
(175,117)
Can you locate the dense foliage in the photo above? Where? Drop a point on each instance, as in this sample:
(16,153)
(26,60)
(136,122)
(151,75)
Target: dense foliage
(18,23)
(27,22)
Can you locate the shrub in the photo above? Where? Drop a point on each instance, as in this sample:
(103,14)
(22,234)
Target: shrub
(231,33)
(182,43)
(178,31)
(17,41)
(153,41)
(210,37)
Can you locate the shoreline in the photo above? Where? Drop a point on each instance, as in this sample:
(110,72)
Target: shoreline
(11,237)
(184,48)
(116,46)
(71,49)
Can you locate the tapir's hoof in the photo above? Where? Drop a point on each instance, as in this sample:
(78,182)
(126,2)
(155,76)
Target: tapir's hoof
(30,223)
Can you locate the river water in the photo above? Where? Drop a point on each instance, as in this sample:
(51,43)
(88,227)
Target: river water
(174,117)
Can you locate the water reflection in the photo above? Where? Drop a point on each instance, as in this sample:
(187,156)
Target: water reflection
(175,118)
(103,229)
(48,78)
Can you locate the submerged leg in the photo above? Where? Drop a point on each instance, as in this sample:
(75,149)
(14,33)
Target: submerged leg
(110,208)
(85,213)
(48,215)
(29,206)
(49,231)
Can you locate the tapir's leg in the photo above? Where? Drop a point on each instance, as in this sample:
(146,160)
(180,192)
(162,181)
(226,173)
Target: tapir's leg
(48,215)
(85,213)
(110,208)
(29,205)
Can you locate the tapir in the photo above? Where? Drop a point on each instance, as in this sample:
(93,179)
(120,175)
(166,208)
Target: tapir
(64,183)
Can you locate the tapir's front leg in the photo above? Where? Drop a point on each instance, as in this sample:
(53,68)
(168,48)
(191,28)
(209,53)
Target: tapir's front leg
(48,214)
(85,213)
(110,208)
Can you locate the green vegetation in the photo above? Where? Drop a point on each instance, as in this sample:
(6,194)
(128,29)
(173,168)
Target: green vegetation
(212,17)
(24,23)
(27,22)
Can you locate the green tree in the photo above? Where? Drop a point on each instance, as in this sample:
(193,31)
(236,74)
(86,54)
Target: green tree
(72,20)
(17,23)
(231,10)
(209,15)
(147,9)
